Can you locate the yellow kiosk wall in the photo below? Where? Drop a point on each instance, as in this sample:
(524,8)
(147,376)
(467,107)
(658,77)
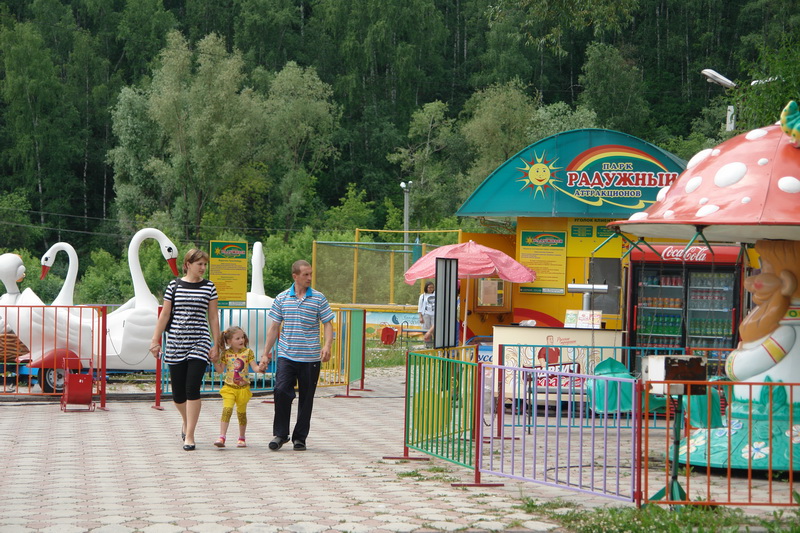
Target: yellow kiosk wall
(546,309)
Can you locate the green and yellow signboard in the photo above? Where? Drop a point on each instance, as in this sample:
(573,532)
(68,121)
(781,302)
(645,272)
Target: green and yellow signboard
(228,271)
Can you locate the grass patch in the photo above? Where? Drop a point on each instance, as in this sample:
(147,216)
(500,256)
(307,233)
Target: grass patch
(382,356)
(658,518)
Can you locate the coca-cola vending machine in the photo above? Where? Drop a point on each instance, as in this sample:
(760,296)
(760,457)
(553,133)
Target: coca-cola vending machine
(683,298)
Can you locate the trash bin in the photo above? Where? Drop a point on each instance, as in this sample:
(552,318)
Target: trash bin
(78,390)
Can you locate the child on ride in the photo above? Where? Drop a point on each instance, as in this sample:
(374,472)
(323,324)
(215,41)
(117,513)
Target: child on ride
(236,389)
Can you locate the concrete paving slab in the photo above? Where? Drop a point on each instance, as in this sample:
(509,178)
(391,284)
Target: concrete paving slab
(123,470)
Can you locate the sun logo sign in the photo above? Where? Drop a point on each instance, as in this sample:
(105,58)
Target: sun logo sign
(538,174)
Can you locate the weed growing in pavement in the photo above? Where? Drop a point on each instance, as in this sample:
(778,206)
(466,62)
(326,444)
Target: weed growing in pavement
(434,473)
(655,518)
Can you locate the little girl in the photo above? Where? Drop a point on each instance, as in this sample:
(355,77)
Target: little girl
(236,389)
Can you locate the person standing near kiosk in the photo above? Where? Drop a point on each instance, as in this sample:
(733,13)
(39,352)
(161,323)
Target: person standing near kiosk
(426,307)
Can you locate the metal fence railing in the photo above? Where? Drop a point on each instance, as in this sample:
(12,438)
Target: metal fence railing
(43,345)
(586,357)
(562,429)
(440,406)
(345,366)
(716,443)
(745,454)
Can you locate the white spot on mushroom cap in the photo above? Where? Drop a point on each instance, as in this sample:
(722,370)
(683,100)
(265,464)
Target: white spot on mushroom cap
(703,201)
(698,158)
(730,174)
(789,184)
(715,152)
(755,134)
(662,193)
(746,200)
(707,210)
(669,213)
(641,215)
(693,184)
(763,161)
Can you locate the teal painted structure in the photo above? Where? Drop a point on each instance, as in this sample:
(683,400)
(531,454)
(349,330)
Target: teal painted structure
(591,173)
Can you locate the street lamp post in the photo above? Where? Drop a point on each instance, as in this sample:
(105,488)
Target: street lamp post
(406,190)
(712,76)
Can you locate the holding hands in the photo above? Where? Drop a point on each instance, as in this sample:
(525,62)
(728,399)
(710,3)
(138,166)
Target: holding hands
(213,354)
(265,359)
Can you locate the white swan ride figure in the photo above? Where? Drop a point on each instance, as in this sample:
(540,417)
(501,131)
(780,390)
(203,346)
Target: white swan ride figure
(52,337)
(131,326)
(12,271)
(65,295)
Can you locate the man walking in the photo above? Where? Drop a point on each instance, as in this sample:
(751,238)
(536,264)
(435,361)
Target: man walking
(296,315)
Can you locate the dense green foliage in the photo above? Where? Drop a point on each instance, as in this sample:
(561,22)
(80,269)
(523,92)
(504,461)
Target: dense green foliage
(276,120)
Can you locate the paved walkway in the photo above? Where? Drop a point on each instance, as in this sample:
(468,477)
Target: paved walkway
(124,470)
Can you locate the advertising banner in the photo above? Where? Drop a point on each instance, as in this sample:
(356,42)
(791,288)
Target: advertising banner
(546,254)
(228,270)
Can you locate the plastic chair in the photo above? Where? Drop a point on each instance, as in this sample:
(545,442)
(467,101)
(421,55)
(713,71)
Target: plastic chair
(388,336)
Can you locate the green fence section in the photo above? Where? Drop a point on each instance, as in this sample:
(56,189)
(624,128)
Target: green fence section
(440,404)
(356,343)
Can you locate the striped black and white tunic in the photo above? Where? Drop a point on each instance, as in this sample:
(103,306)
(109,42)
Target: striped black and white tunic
(189,336)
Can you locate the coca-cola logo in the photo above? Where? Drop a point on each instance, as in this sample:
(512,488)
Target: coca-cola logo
(676,253)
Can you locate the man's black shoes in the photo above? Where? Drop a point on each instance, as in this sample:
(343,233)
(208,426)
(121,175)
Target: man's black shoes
(277,442)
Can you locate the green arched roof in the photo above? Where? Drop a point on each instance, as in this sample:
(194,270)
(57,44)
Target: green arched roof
(590,173)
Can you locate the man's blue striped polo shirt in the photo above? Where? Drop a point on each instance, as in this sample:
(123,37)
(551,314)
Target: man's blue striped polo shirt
(299,337)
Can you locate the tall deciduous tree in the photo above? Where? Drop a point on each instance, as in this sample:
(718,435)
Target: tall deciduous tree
(138,192)
(143,32)
(777,80)
(270,32)
(207,128)
(384,60)
(613,88)
(354,212)
(496,128)
(38,122)
(434,160)
(90,88)
(300,120)
(547,21)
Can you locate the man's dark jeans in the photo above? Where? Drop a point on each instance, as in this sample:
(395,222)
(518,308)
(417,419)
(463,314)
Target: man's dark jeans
(290,373)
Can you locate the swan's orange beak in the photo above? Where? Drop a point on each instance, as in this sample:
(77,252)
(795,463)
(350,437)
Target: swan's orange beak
(45,270)
(173,264)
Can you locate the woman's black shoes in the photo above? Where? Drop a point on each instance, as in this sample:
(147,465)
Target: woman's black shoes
(188,447)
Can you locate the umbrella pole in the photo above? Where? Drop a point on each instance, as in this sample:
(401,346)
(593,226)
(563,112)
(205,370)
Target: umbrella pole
(464,322)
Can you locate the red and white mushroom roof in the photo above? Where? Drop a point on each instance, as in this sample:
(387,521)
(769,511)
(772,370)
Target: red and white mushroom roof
(744,190)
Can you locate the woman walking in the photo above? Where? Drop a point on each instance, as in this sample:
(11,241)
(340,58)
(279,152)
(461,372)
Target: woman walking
(190,309)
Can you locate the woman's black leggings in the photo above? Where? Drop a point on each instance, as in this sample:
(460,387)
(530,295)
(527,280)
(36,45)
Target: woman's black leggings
(186,378)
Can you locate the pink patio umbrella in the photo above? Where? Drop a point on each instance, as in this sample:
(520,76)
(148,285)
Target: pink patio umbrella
(474,261)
